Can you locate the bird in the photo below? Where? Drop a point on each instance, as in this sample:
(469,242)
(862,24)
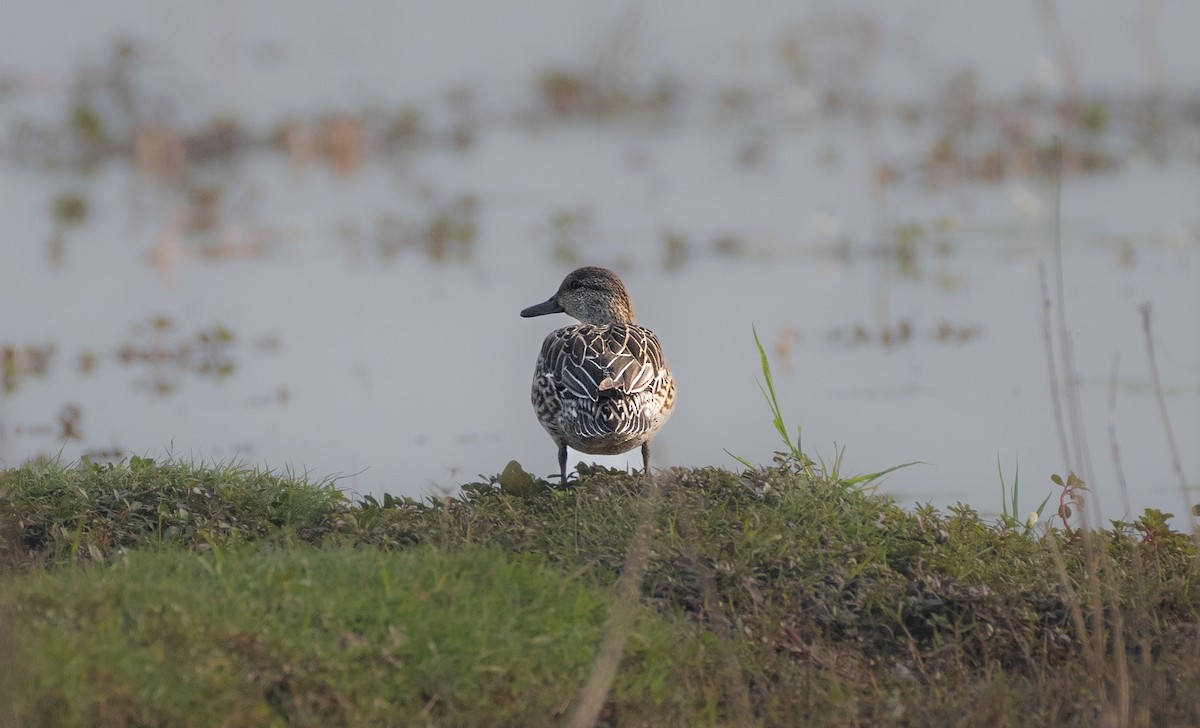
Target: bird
(602,386)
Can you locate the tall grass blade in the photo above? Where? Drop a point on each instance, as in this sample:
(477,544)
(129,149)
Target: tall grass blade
(769,395)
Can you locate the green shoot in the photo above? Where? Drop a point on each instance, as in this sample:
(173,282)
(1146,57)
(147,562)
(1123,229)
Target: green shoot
(830,472)
(1010,513)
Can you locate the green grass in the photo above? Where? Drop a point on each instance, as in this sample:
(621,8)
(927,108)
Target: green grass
(328,637)
(146,593)
(69,513)
(816,469)
(1010,503)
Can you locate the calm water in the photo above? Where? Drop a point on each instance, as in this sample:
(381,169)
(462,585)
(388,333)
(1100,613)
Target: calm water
(361,320)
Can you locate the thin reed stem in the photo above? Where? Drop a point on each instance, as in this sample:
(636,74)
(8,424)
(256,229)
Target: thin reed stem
(1147,311)
(1112,436)
(1137,608)
(1052,367)
(1176,461)
(1082,461)
(629,588)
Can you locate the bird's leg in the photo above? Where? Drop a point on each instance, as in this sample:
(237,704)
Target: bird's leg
(562,462)
(646,458)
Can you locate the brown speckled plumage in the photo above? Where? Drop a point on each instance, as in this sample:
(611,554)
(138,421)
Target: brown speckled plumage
(602,386)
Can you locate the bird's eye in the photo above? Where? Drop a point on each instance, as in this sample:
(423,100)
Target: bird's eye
(576,285)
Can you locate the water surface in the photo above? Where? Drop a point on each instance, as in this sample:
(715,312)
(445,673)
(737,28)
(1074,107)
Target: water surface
(356,315)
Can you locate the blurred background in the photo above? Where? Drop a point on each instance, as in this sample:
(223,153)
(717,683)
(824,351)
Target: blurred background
(299,234)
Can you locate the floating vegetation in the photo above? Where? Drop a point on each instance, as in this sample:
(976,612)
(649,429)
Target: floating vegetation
(198,228)
(162,150)
(105,455)
(19,363)
(907,241)
(87,131)
(166,354)
(407,131)
(159,150)
(462,137)
(203,208)
(595,94)
(910,239)
(568,230)
(66,426)
(1126,255)
(948,161)
(220,140)
(448,232)
(730,245)
(87,125)
(70,208)
(948,332)
(452,230)
(299,140)
(675,250)
(86,362)
(69,423)
(904,332)
(339,139)
(112,111)
(564,93)
(104,102)
(1094,118)
(988,140)
(342,142)
(735,101)
(754,153)
(158,346)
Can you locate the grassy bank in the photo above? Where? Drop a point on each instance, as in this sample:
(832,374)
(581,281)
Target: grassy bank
(336,636)
(155,594)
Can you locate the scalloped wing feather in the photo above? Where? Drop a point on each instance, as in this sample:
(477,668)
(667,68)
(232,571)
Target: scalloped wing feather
(590,362)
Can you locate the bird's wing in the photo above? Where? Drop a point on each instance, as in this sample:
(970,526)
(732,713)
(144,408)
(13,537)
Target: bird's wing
(603,361)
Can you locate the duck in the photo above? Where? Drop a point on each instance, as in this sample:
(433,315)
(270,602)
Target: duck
(602,386)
